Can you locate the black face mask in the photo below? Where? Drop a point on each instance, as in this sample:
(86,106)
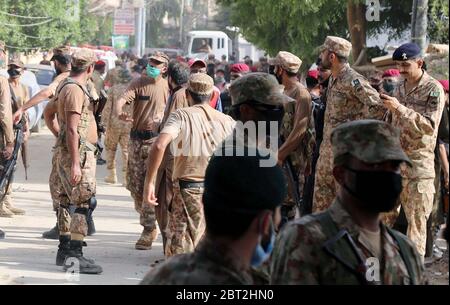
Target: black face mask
(13,73)
(377,190)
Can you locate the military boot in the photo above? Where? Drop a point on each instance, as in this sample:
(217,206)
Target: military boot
(5,212)
(147,237)
(63,249)
(86,266)
(2,234)
(14,210)
(53,233)
(112,176)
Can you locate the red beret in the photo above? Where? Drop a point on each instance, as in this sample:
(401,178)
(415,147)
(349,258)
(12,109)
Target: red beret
(239,68)
(313,74)
(444,83)
(391,72)
(100,63)
(193,61)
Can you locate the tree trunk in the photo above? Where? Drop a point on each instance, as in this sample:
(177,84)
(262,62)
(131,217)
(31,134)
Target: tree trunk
(419,23)
(356,20)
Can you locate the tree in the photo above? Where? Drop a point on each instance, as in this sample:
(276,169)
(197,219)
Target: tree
(299,26)
(419,23)
(28,25)
(438,18)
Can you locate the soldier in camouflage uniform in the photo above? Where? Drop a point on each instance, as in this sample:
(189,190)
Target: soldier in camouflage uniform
(148,96)
(6,123)
(117,131)
(348,243)
(196,131)
(297,130)
(76,163)
(416,109)
(349,97)
(227,253)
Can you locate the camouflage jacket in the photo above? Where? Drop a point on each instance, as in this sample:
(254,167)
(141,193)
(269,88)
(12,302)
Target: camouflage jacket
(298,124)
(6,124)
(111,121)
(349,98)
(418,118)
(300,256)
(209,264)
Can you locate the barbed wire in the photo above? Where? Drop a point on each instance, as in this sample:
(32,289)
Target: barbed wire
(21,16)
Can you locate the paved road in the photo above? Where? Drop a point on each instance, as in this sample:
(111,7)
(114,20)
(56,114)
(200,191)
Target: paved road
(27,258)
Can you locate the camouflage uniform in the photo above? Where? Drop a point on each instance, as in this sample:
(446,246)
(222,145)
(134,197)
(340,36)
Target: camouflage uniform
(295,116)
(117,131)
(329,247)
(207,265)
(300,259)
(6,124)
(418,118)
(350,97)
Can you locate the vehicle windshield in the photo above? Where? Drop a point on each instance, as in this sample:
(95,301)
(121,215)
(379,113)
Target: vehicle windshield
(44,77)
(202,45)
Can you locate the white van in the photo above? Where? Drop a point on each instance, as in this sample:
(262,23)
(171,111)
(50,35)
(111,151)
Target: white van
(200,43)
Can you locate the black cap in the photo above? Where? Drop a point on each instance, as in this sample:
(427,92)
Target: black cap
(240,184)
(407,51)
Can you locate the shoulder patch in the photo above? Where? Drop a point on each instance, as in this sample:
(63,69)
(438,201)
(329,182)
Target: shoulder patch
(434,94)
(356,83)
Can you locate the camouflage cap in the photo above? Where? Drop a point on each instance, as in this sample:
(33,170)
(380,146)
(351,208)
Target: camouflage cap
(2,46)
(337,45)
(370,141)
(201,84)
(83,58)
(160,57)
(16,62)
(259,87)
(123,76)
(287,61)
(61,50)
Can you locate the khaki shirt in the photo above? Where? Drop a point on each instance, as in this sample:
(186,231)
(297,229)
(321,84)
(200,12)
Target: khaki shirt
(196,133)
(176,101)
(55,83)
(99,84)
(296,119)
(349,98)
(71,98)
(6,123)
(418,118)
(149,98)
(21,93)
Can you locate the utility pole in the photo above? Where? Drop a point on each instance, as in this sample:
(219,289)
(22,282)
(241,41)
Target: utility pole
(144,29)
(181,23)
(138,42)
(419,23)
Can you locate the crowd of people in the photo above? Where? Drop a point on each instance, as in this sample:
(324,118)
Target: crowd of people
(249,175)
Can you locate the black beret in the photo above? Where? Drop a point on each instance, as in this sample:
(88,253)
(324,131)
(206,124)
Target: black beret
(239,184)
(407,51)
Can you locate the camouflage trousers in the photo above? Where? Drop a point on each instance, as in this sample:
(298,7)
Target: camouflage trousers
(54,182)
(164,193)
(416,200)
(186,220)
(137,170)
(325,186)
(115,137)
(289,206)
(79,195)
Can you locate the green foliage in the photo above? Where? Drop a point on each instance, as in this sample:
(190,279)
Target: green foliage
(438,21)
(299,26)
(63,27)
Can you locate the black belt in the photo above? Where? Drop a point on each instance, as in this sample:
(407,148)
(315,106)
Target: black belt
(142,135)
(190,184)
